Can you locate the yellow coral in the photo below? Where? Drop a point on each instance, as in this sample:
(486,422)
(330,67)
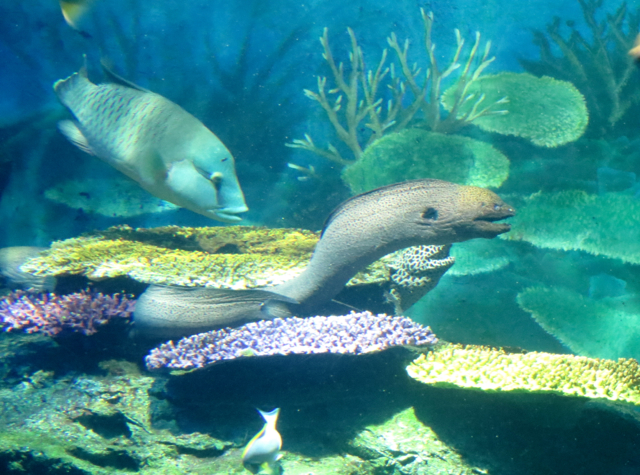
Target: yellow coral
(231,257)
(492,369)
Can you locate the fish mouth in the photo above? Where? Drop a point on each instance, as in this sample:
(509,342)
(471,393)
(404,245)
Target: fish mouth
(491,224)
(229,214)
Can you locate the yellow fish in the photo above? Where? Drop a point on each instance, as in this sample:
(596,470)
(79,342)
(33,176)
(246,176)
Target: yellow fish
(73,11)
(635,51)
(262,453)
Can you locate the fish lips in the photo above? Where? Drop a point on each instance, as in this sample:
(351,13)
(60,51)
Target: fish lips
(489,224)
(228,215)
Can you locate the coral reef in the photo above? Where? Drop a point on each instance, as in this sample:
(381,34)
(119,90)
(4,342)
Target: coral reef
(417,153)
(56,315)
(603,225)
(231,257)
(606,327)
(118,198)
(491,369)
(355,334)
(479,256)
(364,100)
(597,64)
(545,111)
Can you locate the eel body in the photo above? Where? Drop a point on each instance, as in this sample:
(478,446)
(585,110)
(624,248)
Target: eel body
(360,231)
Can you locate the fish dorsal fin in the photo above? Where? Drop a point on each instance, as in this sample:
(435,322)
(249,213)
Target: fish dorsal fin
(69,129)
(115,78)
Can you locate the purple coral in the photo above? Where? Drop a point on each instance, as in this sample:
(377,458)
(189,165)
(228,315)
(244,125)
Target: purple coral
(52,314)
(355,333)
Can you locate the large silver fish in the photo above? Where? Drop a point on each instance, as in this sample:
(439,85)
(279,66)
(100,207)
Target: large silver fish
(169,152)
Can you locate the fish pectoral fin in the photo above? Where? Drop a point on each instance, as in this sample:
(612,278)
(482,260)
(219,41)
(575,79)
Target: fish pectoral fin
(117,79)
(70,130)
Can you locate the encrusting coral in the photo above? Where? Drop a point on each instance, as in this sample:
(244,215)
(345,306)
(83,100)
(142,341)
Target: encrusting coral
(597,64)
(53,314)
(356,333)
(491,369)
(604,225)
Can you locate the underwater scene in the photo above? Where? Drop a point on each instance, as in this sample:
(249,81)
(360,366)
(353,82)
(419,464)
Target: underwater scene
(319,237)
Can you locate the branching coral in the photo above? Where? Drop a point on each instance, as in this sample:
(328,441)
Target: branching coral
(55,314)
(490,369)
(599,68)
(356,333)
(360,89)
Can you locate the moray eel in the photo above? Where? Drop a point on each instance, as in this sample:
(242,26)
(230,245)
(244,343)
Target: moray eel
(360,231)
(174,312)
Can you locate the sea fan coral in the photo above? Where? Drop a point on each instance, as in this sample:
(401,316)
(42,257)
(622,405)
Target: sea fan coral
(356,333)
(53,314)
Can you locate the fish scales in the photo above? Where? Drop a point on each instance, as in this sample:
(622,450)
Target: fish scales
(169,152)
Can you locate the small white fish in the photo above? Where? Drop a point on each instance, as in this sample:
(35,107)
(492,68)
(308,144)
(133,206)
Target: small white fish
(262,453)
(169,152)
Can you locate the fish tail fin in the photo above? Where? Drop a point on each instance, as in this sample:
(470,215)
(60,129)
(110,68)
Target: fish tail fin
(70,130)
(270,417)
(72,89)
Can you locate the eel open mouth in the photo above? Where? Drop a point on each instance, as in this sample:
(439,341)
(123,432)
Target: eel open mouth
(489,223)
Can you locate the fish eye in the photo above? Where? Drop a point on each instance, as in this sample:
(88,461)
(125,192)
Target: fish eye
(496,207)
(430,213)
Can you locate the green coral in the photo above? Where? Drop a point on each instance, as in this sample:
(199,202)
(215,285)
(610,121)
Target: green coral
(491,369)
(478,256)
(417,153)
(231,257)
(603,225)
(604,328)
(546,111)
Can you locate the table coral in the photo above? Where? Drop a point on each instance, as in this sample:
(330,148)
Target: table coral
(492,369)
(604,225)
(230,257)
(546,111)
(417,153)
(356,333)
(55,314)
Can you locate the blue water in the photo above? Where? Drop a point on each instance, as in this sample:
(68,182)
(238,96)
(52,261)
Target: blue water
(88,405)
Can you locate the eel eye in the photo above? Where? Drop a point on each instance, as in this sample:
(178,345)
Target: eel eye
(430,213)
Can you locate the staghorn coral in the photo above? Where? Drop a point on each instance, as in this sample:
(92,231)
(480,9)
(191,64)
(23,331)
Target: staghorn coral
(546,111)
(356,333)
(417,153)
(608,327)
(230,257)
(604,225)
(597,64)
(491,369)
(55,315)
(361,89)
